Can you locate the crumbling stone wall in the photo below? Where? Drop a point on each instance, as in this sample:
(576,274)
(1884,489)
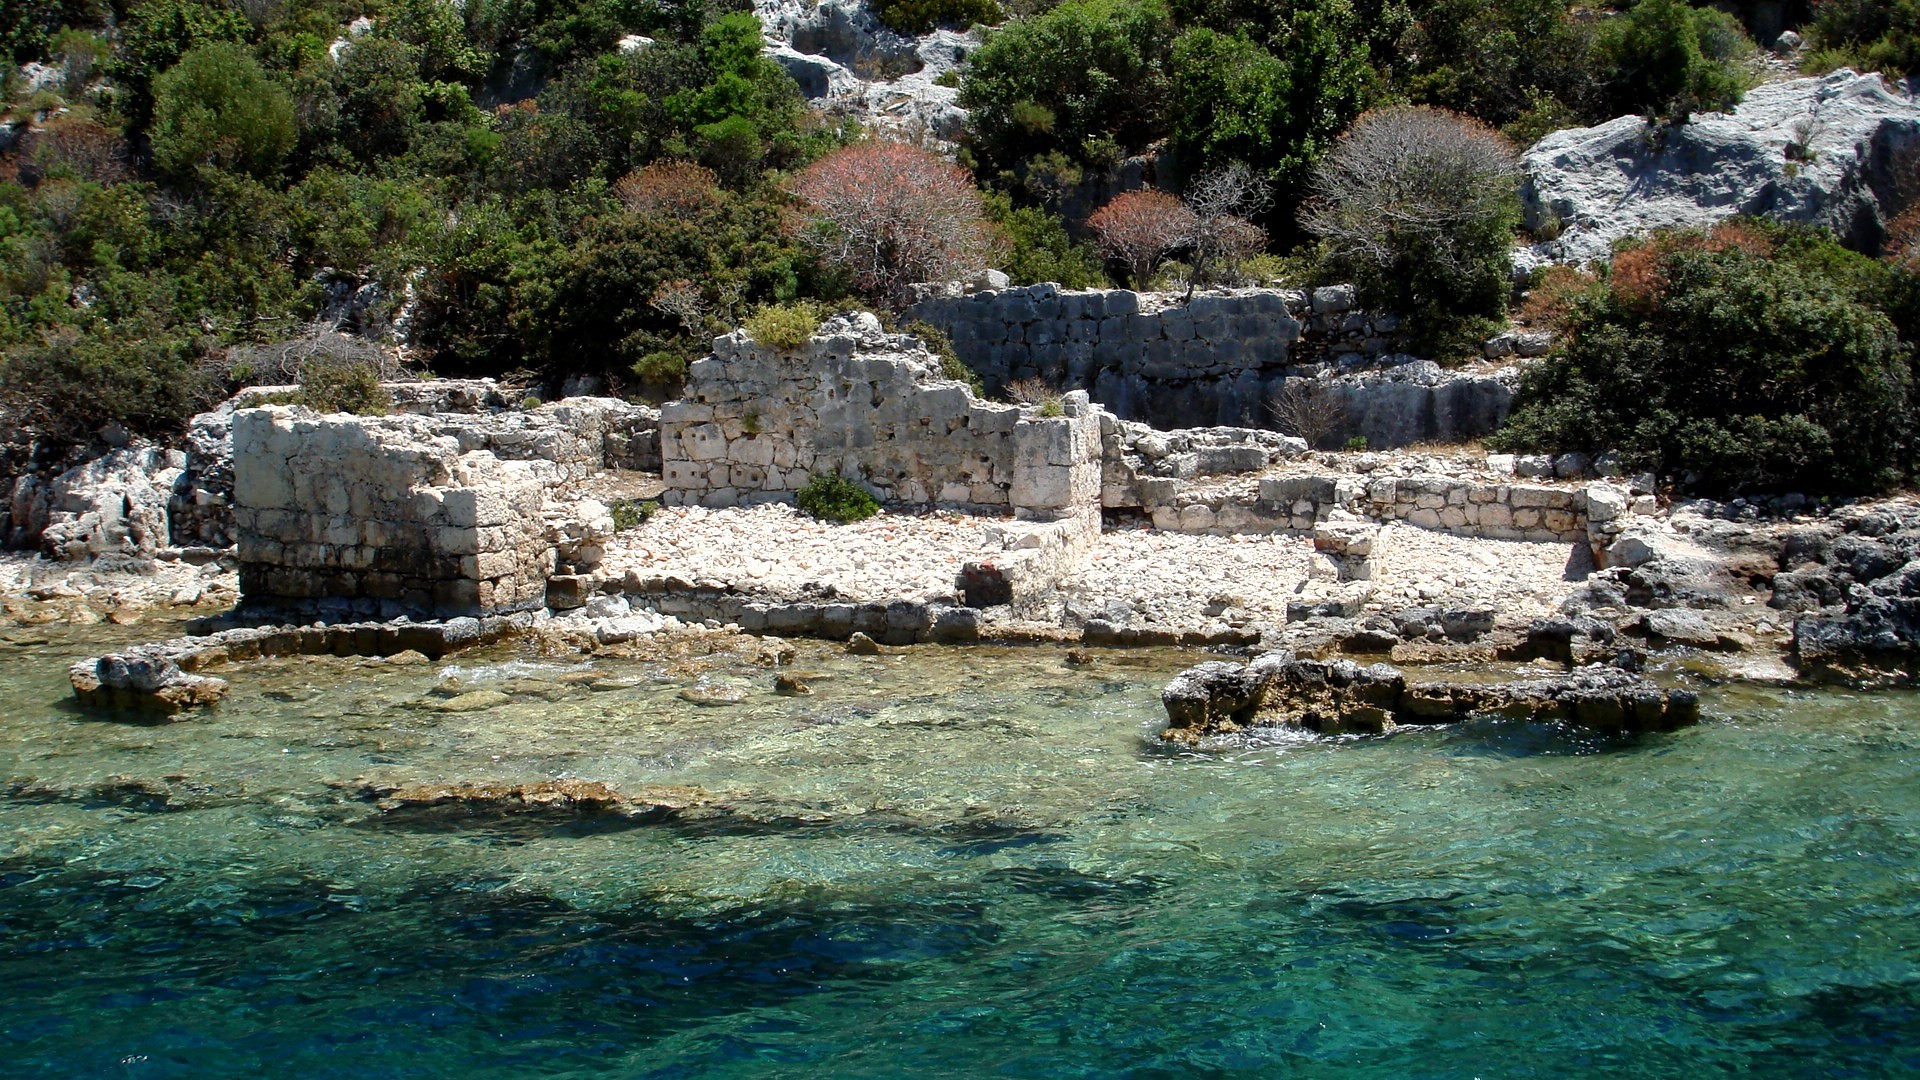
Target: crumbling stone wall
(1219,358)
(359,515)
(756,424)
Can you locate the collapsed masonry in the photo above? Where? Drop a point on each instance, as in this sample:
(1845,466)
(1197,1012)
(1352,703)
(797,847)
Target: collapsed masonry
(447,514)
(757,423)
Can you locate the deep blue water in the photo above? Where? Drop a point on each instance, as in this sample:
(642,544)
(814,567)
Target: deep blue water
(974,864)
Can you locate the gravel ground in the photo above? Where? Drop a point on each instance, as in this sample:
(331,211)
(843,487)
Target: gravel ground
(1134,576)
(1520,580)
(1183,580)
(778,550)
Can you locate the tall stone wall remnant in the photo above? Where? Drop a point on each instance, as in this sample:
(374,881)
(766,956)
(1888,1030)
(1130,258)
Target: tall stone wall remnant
(1219,358)
(756,424)
(349,515)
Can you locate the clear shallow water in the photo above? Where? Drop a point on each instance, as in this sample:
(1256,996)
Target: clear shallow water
(959,863)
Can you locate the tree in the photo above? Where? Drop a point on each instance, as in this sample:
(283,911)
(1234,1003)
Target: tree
(892,214)
(216,107)
(1087,73)
(1672,60)
(1223,203)
(1419,206)
(1141,228)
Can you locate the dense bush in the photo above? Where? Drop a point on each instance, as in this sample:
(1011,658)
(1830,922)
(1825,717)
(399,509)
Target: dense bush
(216,107)
(1868,35)
(1235,101)
(920,16)
(1039,248)
(1745,359)
(1418,206)
(1665,58)
(349,388)
(832,497)
(1085,75)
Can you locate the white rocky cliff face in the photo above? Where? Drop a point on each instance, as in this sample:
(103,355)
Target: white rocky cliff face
(850,63)
(1828,151)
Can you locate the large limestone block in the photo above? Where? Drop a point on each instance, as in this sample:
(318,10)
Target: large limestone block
(1823,151)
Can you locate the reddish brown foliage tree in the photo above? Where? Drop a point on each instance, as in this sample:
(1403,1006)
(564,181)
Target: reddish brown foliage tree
(1140,228)
(893,214)
(674,188)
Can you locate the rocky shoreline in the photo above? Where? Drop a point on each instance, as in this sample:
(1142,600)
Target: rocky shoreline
(468,518)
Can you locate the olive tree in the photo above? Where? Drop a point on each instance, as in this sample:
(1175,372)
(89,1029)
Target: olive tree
(1419,205)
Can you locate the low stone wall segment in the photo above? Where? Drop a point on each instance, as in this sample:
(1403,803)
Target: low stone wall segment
(758,424)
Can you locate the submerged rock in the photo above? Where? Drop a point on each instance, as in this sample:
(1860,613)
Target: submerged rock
(145,678)
(1279,689)
(573,797)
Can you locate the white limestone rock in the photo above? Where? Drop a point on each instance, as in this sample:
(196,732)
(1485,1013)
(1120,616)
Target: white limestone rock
(1818,151)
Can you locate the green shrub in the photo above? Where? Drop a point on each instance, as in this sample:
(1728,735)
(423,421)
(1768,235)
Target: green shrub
(352,387)
(1039,249)
(1869,35)
(1667,59)
(832,497)
(631,513)
(216,107)
(784,326)
(1088,71)
(663,369)
(1233,100)
(1749,358)
(917,17)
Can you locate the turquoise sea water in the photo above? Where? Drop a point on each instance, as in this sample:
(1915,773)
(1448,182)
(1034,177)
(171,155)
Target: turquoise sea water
(944,863)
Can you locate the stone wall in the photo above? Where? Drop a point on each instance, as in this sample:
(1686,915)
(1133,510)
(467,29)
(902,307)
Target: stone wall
(1218,359)
(347,515)
(756,424)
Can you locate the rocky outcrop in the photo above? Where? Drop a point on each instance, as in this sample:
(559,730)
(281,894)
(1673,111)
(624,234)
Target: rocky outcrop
(1828,151)
(146,678)
(1856,580)
(850,63)
(117,504)
(1341,696)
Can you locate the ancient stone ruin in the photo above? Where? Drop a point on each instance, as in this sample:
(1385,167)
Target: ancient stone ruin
(1222,358)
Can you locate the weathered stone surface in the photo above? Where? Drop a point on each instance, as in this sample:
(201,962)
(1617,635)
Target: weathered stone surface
(383,516)
(849,62)
(1823,151)
(1340,695)
(145,678)
(118,503)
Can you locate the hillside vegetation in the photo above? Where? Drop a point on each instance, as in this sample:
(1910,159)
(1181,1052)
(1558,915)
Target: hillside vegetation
(201,194)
